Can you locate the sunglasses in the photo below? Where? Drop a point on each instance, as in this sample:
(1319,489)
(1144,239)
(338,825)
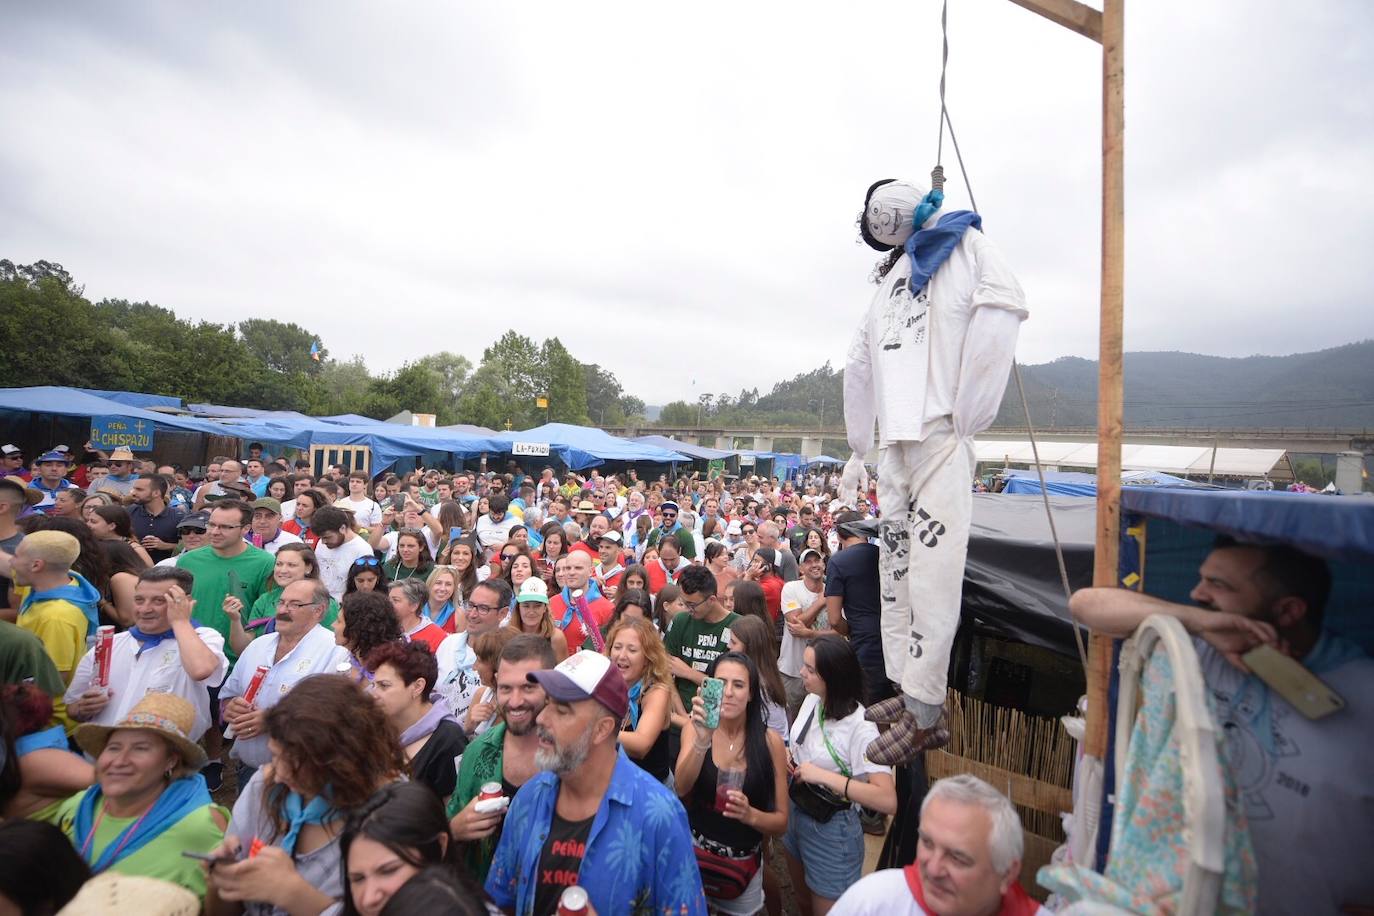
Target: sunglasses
(367,561)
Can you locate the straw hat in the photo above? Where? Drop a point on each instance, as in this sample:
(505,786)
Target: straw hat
(113,893)
(165,713)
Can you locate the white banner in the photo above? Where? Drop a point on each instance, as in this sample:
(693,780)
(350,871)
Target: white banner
(538,449)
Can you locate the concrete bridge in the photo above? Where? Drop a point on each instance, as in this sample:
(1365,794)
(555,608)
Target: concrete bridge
(1308,441)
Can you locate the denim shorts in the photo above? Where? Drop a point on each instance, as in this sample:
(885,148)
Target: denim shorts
(832,853)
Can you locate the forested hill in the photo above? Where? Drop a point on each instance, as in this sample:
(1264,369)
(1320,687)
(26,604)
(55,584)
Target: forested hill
(1326,388)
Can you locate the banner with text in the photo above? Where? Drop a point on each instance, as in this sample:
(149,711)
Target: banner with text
(108,433)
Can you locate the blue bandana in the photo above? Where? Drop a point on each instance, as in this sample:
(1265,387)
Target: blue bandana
(298,814)
(930,248)
(179,799)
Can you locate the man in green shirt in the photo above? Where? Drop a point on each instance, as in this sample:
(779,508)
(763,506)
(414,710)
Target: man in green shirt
(228,565)
(504,753)
(698,635)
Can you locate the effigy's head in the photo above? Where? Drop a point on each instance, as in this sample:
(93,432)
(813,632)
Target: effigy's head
(889,206)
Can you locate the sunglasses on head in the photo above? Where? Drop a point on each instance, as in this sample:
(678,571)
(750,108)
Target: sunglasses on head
(367,561)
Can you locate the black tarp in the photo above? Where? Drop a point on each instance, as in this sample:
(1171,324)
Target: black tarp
(1011,580)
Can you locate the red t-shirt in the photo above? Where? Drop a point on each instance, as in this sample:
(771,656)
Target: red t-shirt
(428,634)
(772,594)
(659,577)
(602,610)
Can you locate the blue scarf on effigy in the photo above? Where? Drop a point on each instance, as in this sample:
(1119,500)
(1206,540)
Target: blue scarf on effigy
(179,799)
(930,248)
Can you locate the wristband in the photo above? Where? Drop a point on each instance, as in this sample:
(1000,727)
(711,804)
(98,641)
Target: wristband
(846,787)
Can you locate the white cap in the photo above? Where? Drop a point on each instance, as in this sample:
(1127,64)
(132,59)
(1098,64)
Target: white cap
(533,589)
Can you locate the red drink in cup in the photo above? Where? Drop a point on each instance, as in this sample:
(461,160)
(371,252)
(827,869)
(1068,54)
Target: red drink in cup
(726,780)
(490,790)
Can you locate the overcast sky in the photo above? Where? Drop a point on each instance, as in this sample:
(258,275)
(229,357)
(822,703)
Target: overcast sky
(672,189)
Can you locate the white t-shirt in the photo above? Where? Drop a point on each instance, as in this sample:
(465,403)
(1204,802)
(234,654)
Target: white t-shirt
(797,597)
(388,543)
(334,563)
(490,533)
(365,511)
(283,538)
(883,893)
(849,737)
(888,348)
(1305,784)
(457,682)
(316,653)
(157,670)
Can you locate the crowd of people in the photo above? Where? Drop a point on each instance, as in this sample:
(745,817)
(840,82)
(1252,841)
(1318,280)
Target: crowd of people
(454,690)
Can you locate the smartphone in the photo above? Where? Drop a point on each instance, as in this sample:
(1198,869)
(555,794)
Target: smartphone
(454,534)
(236,588)
(1290,680)
(398,502)
(207,857)
(712,692)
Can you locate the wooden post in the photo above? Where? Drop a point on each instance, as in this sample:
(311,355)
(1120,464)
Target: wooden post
(1109,387)
(1107,28)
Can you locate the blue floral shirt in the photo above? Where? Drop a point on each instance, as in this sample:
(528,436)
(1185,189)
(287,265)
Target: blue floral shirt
(639,856)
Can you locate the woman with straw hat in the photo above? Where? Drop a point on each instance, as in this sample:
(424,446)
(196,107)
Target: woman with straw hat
(149,803)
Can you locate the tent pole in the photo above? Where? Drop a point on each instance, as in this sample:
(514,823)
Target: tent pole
(1107,28)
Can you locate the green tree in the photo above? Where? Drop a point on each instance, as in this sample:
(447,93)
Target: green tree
(486,400)
(678,413)
(341,387)
(282,347)
(50,335)
(453,369)
(563,383)
(631,406)
(515,359)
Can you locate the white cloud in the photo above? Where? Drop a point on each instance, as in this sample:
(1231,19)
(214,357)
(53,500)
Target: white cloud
(671,190)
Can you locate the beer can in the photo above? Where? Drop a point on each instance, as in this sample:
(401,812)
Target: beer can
(490,790)
(573,902)
(104,646)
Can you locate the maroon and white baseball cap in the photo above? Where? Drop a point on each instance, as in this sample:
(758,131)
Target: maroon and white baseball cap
(585,676)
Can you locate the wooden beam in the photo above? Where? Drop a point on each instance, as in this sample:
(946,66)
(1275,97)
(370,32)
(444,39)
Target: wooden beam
(1072,15)
(1106,566)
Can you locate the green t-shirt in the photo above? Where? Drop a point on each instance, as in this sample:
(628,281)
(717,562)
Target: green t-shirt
(161,857)
(697,643)
(214,578)
(22,656)
(266,606)
(482,762)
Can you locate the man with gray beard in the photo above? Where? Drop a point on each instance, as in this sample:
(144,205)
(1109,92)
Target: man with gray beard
(593,818)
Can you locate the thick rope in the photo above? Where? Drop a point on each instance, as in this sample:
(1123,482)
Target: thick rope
(937,177)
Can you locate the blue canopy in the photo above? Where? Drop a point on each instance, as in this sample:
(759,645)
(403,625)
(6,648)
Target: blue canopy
(1335,527)
(699,452)
(73,402)
(135,398)
(586,447)
(1076,483)
(821,459)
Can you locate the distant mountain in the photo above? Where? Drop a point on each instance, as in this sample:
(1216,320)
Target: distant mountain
(1325,389)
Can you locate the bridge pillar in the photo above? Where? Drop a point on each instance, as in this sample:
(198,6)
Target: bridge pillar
(688,438)
(1350,472)
(763,443)
(810,446)
(725,442)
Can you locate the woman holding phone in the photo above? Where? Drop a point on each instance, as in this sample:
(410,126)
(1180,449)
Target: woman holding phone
(832,777)
(732,778)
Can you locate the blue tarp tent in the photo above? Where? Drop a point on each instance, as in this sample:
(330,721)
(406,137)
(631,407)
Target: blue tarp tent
(821,459)
(1074,483)
(586,447)
(698,452)
(73,402)
(135,398)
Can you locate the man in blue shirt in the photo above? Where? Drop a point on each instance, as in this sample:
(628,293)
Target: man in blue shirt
(593,818)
